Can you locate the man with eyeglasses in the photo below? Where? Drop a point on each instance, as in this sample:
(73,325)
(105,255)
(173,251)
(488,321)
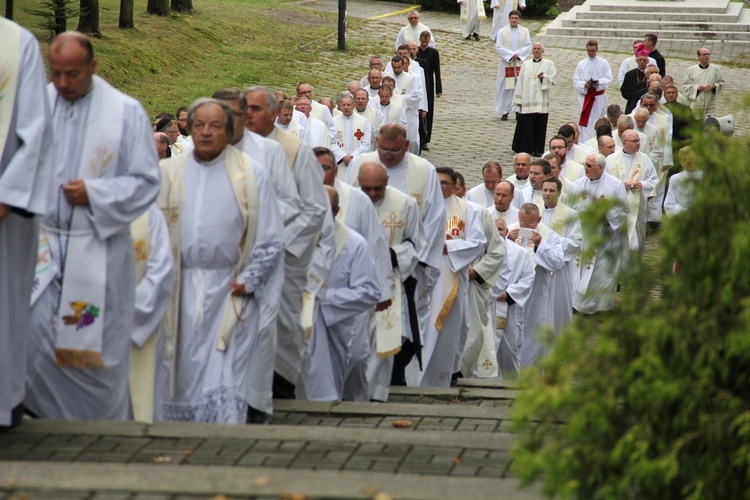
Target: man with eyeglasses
(702,84)
(639,178)
(569,169)
(318,110)
(376,63)
(595,272)
(410,32)
(395,324)
(416,177)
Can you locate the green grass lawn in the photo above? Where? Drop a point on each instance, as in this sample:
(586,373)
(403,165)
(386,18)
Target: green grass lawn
(167,62)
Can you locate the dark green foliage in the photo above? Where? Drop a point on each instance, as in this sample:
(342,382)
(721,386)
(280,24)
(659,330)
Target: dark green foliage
(653,399)
(54,15)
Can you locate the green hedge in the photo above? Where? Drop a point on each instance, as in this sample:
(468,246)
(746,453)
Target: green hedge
(533,7)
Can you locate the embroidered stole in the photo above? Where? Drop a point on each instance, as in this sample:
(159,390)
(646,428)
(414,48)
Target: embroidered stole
(479,7)
(81,315)
(631,174)
(455,229)
(289,143)
(389,323)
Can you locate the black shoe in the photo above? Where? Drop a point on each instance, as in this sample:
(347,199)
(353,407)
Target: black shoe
(468,38)
(476,36)
(504,117)
(425,148)
(257,417)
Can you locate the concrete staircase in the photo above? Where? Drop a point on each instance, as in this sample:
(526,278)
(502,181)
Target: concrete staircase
(693,20)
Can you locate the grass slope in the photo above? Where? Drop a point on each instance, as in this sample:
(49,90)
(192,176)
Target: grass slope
(167,62)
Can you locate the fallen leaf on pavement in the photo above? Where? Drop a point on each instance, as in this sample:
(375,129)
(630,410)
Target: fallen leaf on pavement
(162,459)
(261,481)
(402,423)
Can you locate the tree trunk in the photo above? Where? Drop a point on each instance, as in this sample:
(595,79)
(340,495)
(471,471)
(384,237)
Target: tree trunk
(158,7)
(9,9)
(126,14)
(182,5)
(61,16)
(88,22)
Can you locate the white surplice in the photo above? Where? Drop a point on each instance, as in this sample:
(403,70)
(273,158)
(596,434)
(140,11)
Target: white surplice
(411,33)
(25,169)
(211,373)
(510,216)
(114,202)
(703,102)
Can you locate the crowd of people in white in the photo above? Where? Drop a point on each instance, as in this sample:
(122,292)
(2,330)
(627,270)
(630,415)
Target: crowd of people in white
(271,246)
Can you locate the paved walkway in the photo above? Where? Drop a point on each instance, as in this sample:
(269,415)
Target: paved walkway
(424,443)
(466,133)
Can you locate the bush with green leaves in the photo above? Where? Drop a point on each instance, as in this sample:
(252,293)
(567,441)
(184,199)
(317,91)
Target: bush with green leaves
(652,400)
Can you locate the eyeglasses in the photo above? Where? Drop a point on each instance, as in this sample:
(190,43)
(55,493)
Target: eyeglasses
(391,151)
(376,189)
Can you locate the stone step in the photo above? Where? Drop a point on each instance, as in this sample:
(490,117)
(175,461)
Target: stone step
(636,33)
(86,481)
(657,27)
(661,6)
(731,15)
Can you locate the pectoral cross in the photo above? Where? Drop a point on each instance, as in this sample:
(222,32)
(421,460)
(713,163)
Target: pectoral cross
(487,364)
(359,134)
(392,225)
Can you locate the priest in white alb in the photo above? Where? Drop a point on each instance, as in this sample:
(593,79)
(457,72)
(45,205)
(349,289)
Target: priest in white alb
(545,248)
(638,175)
(106,175)
(228,244)
(500,11)
(25,170)
(352,287)
(513,46)
(471,15)
(591,80)
(510,293)
(464,243)
(353,133)
(595,274)
(395,320)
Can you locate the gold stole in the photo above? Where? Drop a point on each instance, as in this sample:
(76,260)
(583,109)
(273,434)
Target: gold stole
(560,217)
(464,16)
(289,143)
(633,174)
(10,60)
(455,229)
(389,323)
(142,359)
(244,184)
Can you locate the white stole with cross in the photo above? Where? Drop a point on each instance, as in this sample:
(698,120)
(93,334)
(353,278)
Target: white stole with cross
(389,323)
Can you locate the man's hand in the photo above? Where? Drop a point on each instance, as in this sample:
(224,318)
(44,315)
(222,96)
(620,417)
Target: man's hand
(503,297)
(513,235)
(382,306)
(472,275)
(347,159)
(422,113)
(238,290)
(536,238)
(4,211)
(75,193)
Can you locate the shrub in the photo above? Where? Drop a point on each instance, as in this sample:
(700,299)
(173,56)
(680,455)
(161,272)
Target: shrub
(652,400)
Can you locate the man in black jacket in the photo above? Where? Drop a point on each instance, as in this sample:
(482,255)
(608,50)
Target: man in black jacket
(650,42)
(433,83)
